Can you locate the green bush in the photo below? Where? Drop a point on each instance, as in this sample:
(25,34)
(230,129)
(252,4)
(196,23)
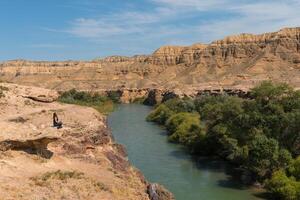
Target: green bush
(160,115)
(180,105)
(73,96)
(283,187)
(175,120)
(101,103)
(186,128)
(294,168)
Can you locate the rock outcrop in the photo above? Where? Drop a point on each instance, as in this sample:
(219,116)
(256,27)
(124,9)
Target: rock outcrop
(34,146)
(79,161)
(152,97)
(158,192)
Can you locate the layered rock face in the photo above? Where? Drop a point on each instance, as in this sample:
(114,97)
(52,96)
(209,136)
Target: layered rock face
(233,49)
(236,61)
(78,161)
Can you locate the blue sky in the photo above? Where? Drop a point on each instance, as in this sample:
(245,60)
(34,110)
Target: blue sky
(86,29)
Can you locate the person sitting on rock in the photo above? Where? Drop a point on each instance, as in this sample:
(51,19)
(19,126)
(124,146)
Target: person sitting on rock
(56,123)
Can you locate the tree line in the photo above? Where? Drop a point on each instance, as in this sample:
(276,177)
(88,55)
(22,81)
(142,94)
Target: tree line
(260,134)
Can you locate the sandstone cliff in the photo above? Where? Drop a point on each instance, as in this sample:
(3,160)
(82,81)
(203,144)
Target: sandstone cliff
(242,60)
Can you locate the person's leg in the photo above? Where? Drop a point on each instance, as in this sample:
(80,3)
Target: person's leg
(55,124)
(59,125)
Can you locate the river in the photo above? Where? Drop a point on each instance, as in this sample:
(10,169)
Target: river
(168,164)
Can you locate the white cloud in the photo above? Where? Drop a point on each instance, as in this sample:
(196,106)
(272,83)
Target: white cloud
(92,28)
(124,23)
(233,17)
(194,4)
(254,18)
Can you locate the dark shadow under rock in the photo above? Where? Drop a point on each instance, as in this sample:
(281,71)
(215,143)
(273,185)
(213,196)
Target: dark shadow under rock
(32,146)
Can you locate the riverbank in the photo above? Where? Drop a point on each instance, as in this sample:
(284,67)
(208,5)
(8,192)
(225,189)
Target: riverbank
(169,164)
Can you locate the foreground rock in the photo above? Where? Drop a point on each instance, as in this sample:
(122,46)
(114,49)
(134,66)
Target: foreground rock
(158,192)
(79,161)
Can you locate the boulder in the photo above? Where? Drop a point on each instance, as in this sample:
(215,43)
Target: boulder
(158,192)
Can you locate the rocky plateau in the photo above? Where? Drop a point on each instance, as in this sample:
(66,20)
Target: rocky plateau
(79,161)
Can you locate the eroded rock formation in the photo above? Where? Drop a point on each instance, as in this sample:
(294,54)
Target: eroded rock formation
(242,60)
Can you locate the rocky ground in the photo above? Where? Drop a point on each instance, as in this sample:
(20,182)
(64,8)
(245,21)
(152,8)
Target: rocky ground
(79,161)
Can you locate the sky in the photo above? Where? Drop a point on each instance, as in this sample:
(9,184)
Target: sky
(89,29)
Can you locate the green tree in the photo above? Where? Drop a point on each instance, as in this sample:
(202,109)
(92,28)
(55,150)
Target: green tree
(283,187)
(269,91)
(265,156)
(294,168)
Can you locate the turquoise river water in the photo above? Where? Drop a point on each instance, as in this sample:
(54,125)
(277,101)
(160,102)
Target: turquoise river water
(168,164)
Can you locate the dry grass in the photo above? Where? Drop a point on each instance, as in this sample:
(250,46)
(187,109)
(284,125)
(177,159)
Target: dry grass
(18,120)
(63,176)
(56,175)
(101,186)
(2,89)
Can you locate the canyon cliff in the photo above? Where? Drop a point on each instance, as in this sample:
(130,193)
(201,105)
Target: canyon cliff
(233,63)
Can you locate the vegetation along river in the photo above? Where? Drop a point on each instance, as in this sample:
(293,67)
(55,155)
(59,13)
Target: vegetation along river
(168,164)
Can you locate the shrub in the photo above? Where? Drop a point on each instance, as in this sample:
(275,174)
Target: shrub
(180,105)
(101,103)
(177,119)
(2,89)
(294,168)
(283,187)
(185,128)
(160,115)
(74,96)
